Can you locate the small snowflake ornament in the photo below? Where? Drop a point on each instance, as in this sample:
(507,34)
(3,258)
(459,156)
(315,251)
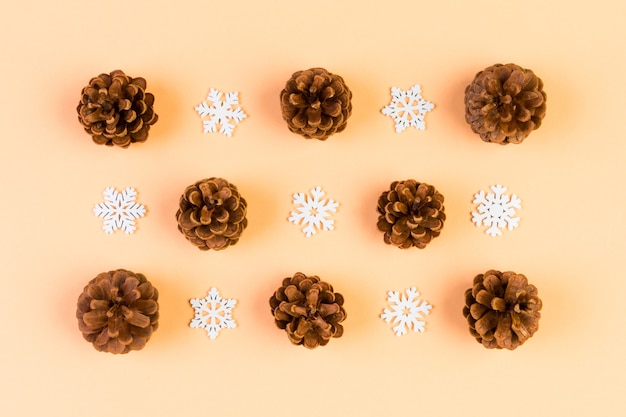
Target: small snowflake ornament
(408,108)
(496,210)
(226,113)
(407,312)
(119,210)
(213,313)
(313,212)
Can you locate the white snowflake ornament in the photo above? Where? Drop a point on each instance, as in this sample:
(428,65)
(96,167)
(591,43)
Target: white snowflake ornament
(407,312)
(213,313)
(226,113)
(496,210)
(119,210)
(313,212)
(408,108)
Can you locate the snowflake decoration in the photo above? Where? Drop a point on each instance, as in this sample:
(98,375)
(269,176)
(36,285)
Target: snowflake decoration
(213,313)
(313,212)
(496,210)
(408,108)
(119,210)
(225,113)
(406,311)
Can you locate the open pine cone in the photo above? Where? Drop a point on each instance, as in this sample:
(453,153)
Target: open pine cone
(308,310)
(116,110)
(410,214)
(502,309)
(118,311)
(316,103)
(212,214)
(505,103)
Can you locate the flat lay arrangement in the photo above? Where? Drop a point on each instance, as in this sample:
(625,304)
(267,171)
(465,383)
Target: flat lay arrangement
(390,207)
(504,104)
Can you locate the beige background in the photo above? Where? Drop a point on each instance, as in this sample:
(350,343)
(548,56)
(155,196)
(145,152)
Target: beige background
(569,175)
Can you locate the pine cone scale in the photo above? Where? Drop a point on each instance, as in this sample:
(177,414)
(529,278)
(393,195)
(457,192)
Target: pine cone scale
(96,318)
(147,307)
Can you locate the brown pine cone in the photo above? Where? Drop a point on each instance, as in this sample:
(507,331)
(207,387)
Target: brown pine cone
(505,103)
(308,310)
(118,311)
(115,109)
(316,103)
(410,214)
(212,214)
(502,309)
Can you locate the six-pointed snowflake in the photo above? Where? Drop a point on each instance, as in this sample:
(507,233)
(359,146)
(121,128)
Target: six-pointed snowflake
(496,210)
(407,311)
(313,212)
(213,313)
(225,113)
(408,108)
(119,210)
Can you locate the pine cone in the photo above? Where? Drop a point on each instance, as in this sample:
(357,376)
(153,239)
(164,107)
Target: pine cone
(115,109)
(505,103)
(410,214)
(308,310)
(118,311)
(316,103)
(212,214)
(502,309)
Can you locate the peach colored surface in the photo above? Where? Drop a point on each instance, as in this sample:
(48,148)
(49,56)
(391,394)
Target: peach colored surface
(569,174)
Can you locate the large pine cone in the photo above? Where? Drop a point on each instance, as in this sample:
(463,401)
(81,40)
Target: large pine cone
(316,103)
(308,310)
(115,109)
(505,103)
(502,309)
(212,214)
(410,214)
(118,311)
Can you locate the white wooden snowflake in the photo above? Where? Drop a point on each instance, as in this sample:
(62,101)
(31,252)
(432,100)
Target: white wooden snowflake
(313,212)
(213,313)
(119,210)
(407,311)
(408,108)
(225,113)
(496,210)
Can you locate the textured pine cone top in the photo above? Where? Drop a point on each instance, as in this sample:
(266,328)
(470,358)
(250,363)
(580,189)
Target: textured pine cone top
(505,103)
(316,103)
(410,214)
(212,214)
(118,311)
(502,309)
(116,110)
(308,310)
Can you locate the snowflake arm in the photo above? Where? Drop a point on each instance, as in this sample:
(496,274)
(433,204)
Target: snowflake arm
(224,113)
(407,312)
(496,210)
(213,313)
(313,212)
(408,108)
(119,210)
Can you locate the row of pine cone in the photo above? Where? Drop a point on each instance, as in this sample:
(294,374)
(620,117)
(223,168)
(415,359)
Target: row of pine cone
(503,104)
(118,311)
(212,214)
